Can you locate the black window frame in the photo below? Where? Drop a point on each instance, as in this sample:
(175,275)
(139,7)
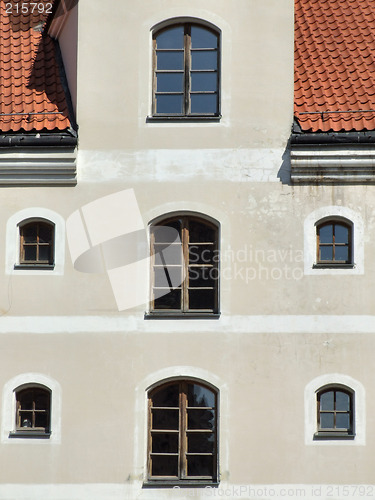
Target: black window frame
(335,432)
(187,49)
(334,263)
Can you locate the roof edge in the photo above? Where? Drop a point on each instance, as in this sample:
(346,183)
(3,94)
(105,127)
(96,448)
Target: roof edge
(37,140)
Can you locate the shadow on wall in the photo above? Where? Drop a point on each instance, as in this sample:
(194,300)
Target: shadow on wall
(284,172)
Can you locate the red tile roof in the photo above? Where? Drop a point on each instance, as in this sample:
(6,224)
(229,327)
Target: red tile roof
(31,93)
(335,65)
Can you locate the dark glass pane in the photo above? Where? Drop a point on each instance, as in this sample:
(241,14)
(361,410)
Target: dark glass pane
(169,104)
(172,38)
(171,300)
(204,103)
(327,401)
(41,420)
(200,442)
(199,232)
(165,419)
(201,299)
(44,253)
(168,276)
(26,418)
(29,233)
(41,401)
(202,276)
(200,396)
(342,401)
(204,82)
(201,419)
(171,60)
(342,253)
(341,234)
(201,254)
(30,253)
(203,59)
(342,421)
(200,466)
(167,233)
(169,82)
(168,255)
(45,233)
(202,38)
(167,396)
(163,442)
(326,252)
(326,420)
(164,466)
(326,234)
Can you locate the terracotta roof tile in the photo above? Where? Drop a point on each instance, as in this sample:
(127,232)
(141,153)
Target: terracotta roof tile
(335,65)
(31,93)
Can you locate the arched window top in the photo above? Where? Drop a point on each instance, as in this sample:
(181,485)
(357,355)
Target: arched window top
(185,271)
(335,412)
(334,241)
(186,70)
(182,432)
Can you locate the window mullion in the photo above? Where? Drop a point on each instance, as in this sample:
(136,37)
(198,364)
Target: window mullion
(187,55)
(185,256)
(183,427)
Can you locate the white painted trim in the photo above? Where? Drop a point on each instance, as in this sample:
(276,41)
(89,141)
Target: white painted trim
(12,250)
(310,240)
(8,410)
(359,410)
(178,373)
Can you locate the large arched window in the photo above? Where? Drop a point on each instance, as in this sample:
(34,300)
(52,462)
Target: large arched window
(185,271)
(36,243)
(334,243)
(186,71)
(182,432)
(335,412)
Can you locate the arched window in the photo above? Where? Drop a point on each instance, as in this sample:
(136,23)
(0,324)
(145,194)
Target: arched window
(335,412)
(182,432)
(33,411)
(184,271)
(37,243)
(334,243)
(186,71)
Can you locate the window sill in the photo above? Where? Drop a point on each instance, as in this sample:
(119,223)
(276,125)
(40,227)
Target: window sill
(333,266)
(47,267)
(176,118)
(178,315)
(30,434)
(333,435)
(162,483)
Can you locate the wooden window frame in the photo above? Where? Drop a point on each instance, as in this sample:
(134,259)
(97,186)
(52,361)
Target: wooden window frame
(32,430)
(185,311)
(37,263)
(335,432)
(186,71)
(182,431)
(334,263)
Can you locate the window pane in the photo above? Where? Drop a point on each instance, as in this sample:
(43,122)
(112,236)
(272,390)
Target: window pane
(26,400)
(342,421)
(326,401)
(204,103)
(171,60)
(342,253)
(203,59)
(167,396)
(201,299)
(41,420)
(200,396)
(202,38)
(26,418)
(171,300)
(169,82)
(326,234)
(44,233)
(172,38)
(164,466)
(341,234)
(165,419)
(42,401)
(167,233)
(201,254)
(170,255)
(202,276)
(203,82)
(199,232)
(342,401)
(201,419)
(326,420)
(199,466)
(326,252)
(44,253)
(201,442)
(169,104)
(30,253)
(29,233)
(163,442)
(168,276)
